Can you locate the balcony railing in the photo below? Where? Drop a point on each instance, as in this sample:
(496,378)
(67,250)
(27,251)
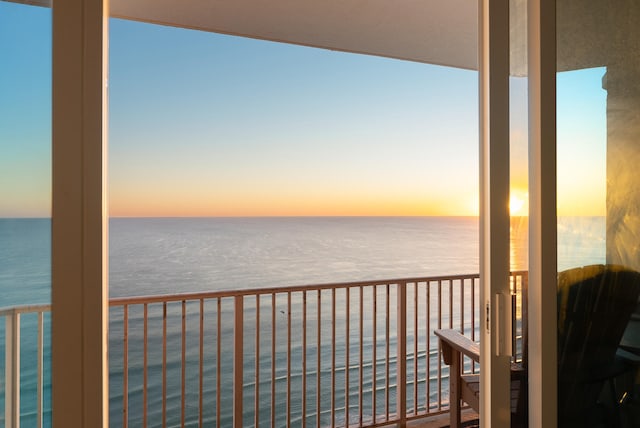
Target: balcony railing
(29,379)
(323,355)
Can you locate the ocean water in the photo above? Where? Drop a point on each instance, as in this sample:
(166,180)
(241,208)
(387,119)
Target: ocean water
(164,256)
(153,256)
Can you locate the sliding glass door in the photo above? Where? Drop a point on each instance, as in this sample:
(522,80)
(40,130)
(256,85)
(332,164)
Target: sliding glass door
(598,143)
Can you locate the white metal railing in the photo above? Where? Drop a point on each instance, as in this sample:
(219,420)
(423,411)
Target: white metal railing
(319,355)
(12,345)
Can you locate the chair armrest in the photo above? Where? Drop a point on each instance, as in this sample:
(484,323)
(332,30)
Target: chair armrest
(452,340)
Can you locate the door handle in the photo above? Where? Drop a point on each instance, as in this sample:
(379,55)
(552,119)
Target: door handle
(503,325)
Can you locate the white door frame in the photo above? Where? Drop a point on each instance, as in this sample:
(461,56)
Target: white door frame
(494,179)
(80,396)
(80,220)
(543,389)
(494,213)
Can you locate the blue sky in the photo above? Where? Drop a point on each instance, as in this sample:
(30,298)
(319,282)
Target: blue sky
(25,110)
(206,124)
(274,129)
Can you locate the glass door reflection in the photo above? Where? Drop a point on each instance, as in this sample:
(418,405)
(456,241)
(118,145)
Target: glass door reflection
(598,191)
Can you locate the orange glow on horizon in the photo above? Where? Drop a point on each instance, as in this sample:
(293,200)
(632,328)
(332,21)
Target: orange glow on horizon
(191,205)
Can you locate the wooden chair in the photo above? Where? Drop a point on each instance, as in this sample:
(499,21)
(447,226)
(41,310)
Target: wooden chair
(594,305)
(466,387)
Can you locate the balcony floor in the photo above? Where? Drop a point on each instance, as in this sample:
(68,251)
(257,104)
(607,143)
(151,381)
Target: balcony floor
(469,420)
(629,414)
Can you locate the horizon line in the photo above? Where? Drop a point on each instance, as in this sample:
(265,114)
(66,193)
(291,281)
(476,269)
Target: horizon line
(292,216)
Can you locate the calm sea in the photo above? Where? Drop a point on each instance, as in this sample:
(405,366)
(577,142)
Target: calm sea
(163,256)
(150,256)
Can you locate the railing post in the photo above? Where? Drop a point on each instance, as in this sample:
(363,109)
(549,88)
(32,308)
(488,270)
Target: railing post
(401,381)
(12,371)
(238,362)
(40,367)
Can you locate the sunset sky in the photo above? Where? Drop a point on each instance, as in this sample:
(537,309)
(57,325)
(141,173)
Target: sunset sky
(210,125)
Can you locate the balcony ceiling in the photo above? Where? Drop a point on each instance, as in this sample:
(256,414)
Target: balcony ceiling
(432,31)
(443,32)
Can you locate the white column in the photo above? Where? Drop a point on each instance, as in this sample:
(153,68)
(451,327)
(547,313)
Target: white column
(79,214)
(494,212)
(543,324)
(623,157)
